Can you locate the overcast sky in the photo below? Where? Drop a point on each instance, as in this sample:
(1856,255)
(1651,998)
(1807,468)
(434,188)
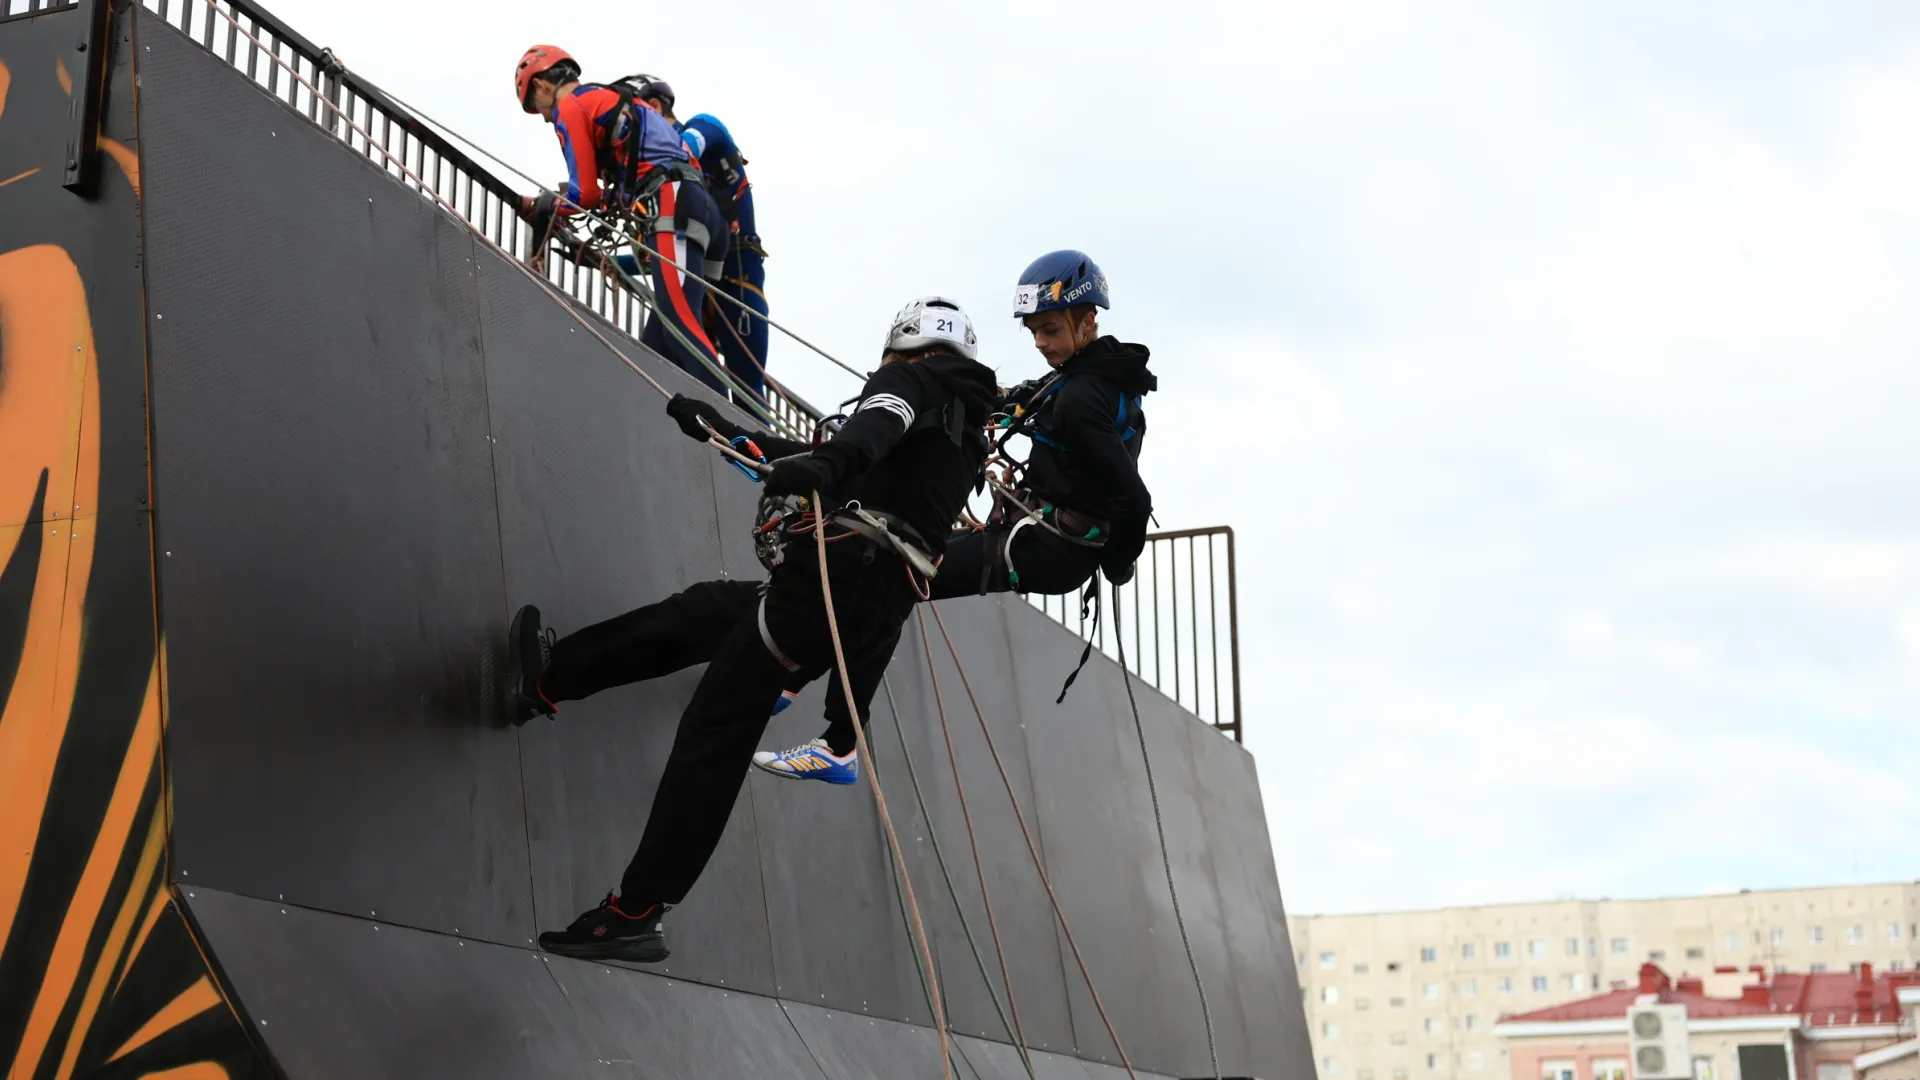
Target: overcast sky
(1556,364)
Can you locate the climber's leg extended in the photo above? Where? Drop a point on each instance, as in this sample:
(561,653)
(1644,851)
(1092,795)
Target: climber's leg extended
(680,295)
(646,643)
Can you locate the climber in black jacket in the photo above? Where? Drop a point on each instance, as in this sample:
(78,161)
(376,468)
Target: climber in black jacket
(1085,507)
(896,473)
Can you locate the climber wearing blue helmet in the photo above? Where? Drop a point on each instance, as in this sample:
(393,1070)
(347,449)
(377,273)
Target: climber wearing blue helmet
(1083,506)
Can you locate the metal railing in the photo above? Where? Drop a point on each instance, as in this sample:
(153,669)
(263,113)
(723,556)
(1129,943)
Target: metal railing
(1178,621)
(358,114)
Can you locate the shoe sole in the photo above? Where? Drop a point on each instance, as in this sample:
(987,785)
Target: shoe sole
(785,775)
(519,708)
(635,952)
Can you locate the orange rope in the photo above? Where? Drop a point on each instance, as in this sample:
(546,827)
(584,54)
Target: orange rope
(880,801)
(979,867)
(1033,849)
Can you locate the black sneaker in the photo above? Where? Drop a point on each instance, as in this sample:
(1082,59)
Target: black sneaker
(608,932)
(529,648)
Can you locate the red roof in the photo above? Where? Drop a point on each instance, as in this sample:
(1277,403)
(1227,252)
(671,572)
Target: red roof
(1822,1000)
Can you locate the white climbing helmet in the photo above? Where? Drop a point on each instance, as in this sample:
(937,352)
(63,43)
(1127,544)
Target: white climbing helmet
(932,320)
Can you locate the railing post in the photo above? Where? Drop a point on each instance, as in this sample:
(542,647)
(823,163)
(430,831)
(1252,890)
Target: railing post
(1233,629)
(83,110)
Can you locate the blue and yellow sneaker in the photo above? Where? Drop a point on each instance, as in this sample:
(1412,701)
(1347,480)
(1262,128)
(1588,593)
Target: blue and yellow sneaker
(811,761)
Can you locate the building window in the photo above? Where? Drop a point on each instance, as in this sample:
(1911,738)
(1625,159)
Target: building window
(1300,960)
(1539,984)
(1593,946)
(1365,1038)
(1330,1030)
(1610,1069)
(1467,950)
(1834,1070)
(1432,1025)
(1573,982)
(1360,969)
(1429,954)
(1470,987)
(1400,1073)
(1395,966)
(1536,948)
(1657,954)
(1816,935)
(1362,1004)
(1893,931)
(1816,969)
(1475,1060)
(1573,946)
(1330,995)
(1778,937)
(1856,935)
(1329,1066)
(1730,942)
(1326,961)
(1397,1038)
(1469,1021)
(1897,965)
(1363,1074)
(1396,1003)
(1593,981)
(1619,945)
(1696,953)
(1702,1068)
(1432,991)
(1502,950)
(1556,1069)
(1504,986)
(1433,1063)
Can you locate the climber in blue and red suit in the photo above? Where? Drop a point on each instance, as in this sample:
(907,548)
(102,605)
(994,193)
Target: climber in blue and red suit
(622,154)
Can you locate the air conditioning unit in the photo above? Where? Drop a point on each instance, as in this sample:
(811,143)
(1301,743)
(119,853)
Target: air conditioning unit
(1657,1038)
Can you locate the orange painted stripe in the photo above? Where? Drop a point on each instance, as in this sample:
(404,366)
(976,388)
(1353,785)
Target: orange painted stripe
(199,1070)
(6,80)
(49,413)
(154,911)
(116,938)
(83,911)
(66,78)
(19,176)
(192,1001)
(128,161)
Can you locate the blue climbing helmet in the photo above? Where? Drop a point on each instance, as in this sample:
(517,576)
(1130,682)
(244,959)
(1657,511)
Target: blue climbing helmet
(1057,280)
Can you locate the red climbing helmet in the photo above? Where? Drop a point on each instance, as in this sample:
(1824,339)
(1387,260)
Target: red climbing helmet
(534,61)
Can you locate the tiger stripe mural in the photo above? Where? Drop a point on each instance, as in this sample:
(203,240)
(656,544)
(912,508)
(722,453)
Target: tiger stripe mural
(101,971)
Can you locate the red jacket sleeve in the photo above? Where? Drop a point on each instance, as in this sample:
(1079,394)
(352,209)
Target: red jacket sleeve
(573,123)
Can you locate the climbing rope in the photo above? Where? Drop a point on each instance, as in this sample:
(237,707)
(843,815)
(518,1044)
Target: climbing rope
(946,874)
(979,866)
(880,800)
(1160,830)
(1033,849)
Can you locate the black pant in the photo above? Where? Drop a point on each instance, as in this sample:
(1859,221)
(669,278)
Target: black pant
(720,622)
(1041,561)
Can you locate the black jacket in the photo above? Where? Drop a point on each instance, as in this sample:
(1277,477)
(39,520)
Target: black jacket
(912,446)
(1087,431)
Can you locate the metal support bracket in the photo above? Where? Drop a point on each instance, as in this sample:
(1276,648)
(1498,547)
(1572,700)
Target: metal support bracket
(83,110)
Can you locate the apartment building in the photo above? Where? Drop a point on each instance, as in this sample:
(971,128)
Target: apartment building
(1414,995)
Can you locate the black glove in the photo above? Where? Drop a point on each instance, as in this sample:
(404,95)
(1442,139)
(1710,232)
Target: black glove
(1020,395)
(1118,575)
(802,475)
(689,411)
